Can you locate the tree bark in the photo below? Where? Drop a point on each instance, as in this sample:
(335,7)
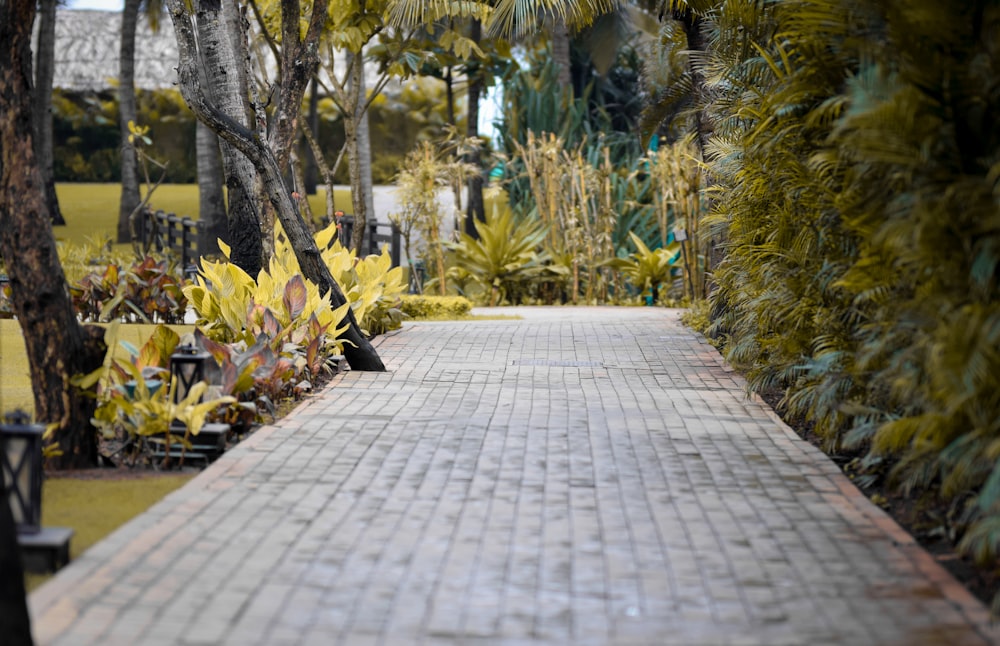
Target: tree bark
(127,111)
(365,161)
(299,60)
(311,163)
(211,198)
(359,352)
(561,54)
(58,347)
(359,155)
(475,209)
(15,623)
(45,57)
(227,90)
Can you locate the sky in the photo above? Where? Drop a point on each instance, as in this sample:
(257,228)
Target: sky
(103,5)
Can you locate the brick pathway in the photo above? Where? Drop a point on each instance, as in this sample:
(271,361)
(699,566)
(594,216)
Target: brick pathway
(582,476)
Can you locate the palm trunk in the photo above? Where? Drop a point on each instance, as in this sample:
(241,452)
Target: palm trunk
(58,347)
(561,54)
(211,198)
(475,209)
(45,57)
(127,112)
(226,89)
(352,134)
(364,141)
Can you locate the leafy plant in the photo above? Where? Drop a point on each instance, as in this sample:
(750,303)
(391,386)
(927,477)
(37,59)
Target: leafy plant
(650,270)
(149,291)
(372,285)
(427,169)
(418,306)
(506,259)
(138,397)
(854,149)
(231,306)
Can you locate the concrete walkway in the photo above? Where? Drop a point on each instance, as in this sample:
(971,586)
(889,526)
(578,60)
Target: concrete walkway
(581,476)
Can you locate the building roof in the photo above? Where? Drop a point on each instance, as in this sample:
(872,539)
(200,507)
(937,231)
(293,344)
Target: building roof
(87,44)
(86,51)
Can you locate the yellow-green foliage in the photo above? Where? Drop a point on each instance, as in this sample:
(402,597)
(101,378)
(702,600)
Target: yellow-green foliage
(138,396)
(15,387)
(856,152)
(505,259)
(435,307)
(231,305)
(372,285)
(649,270)
(574,200)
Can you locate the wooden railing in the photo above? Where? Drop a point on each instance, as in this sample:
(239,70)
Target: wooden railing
(184,236)
(377,234)
(161,231)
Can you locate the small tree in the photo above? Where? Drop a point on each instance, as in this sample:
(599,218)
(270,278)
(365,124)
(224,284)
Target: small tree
(426,170)
(270,156)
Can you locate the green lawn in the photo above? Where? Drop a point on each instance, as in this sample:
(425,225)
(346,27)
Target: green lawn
(95,506)
(91,210)
(15,387)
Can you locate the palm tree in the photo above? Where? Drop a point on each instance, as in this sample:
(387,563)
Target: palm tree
(127,110)
(44,72)
(211,198)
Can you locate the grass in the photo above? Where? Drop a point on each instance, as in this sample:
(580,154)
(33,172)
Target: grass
(95,507)
(15,387)
(91,210)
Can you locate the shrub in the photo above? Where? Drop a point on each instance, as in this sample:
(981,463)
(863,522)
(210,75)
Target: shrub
(372,285)
(149,291)
(435,307)
(505,260)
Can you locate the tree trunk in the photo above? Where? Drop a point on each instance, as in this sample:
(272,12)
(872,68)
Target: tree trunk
(449,96)
(311,164)
(211,198)
(127,111)
(58,347)
(15,623)
(227,90)
(45,57)
(359,352)
(365,165)
(359,151)
(475,209)
(561,54)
